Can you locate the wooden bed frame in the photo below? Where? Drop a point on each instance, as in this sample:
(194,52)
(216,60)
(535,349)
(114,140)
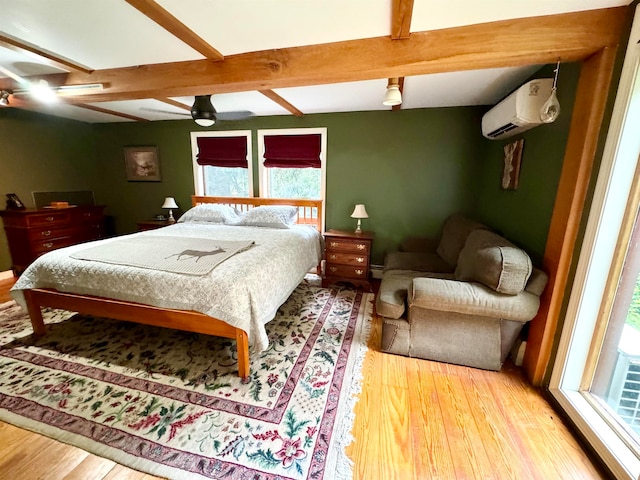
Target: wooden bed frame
(309,212)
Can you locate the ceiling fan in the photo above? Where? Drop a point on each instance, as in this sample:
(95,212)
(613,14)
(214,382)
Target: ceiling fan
(204,113)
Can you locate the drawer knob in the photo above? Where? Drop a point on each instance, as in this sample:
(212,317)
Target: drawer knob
(361,246)
(333,244)
(332,257)
(333,269)
(47,245)
(360,259)
(50,219)
(359,272)
(46,233)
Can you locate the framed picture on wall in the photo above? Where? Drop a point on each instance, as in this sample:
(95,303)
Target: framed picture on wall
(512,160)
(142,164)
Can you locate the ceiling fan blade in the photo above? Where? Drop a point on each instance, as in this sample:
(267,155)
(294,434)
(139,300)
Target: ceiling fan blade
(238,115)
(221,116)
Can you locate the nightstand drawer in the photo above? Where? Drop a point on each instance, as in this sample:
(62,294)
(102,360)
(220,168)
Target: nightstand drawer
(347,245)
(347,258)
(346,271)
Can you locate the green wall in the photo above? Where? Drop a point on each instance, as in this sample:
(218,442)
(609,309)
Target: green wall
(524,215)
(410,168)
(40,153)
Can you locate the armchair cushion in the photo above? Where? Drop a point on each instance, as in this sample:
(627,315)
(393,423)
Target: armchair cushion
(417,261)
(471,298)
(455,231)
(392,296)
(490,259)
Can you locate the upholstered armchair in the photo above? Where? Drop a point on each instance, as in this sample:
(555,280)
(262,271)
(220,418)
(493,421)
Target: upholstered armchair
(470,315)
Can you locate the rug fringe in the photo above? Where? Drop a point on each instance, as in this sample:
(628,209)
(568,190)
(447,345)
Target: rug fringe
(344,435)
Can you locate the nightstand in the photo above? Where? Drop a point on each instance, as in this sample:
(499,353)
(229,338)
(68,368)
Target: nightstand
(347,257)
(152,224)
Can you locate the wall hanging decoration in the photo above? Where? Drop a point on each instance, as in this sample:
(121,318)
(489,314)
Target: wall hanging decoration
(142,164)
(512,160)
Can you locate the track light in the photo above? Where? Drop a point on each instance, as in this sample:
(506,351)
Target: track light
(393,96)
(203,112)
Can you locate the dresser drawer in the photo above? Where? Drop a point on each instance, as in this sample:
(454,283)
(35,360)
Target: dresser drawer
(347,258)
(48,219)
(50,233)
(347,245)
(47,245)
(346,271)
(84,215)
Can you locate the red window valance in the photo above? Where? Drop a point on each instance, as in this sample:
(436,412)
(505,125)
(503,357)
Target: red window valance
(222,151)
(292,151)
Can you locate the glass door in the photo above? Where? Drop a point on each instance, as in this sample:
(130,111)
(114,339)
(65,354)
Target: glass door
(596,375)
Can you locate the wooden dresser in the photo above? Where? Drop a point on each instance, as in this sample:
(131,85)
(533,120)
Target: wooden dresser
(32,232)
(347,257)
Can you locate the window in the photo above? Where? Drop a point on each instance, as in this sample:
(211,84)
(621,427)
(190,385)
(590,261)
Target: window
(596,377)
(222,163)
(293,163)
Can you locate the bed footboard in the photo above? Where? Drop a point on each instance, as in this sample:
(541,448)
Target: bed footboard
(135,312)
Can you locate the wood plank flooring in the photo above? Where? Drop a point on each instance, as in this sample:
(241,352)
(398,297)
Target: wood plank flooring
(415,419)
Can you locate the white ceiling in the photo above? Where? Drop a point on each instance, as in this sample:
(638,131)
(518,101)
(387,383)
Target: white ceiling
(102,34)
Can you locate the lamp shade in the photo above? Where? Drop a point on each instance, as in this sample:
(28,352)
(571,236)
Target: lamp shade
(359,212)
(393,96)
(169,202)
(202,111)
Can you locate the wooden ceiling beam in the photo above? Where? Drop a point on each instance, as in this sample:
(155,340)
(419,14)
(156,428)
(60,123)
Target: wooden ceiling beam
(174,26)
(51,59)
(281,101)
(170,101)
(110,112)
(401,14)
(509,43)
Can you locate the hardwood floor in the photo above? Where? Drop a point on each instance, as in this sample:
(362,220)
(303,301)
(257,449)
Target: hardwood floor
(415,419)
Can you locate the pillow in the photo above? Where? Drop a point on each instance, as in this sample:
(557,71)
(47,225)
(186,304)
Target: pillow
(268,216)
(490,259)
(210,213)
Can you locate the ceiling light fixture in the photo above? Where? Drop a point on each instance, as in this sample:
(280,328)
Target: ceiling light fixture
(202,111)
(42,91)
(4,98)
(393,96)
(551,108)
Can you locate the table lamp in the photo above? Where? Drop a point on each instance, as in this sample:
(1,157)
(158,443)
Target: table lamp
(170,203)
(359,212)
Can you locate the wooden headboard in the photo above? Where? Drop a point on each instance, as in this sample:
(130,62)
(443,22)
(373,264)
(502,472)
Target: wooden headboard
(309,211)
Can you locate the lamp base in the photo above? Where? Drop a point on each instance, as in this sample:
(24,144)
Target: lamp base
(171,219)
(358,229)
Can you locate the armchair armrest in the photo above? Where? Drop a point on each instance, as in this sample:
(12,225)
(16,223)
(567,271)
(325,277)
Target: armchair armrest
(471,298)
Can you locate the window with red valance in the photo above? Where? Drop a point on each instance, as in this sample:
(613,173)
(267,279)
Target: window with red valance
(292,151)
(229,152)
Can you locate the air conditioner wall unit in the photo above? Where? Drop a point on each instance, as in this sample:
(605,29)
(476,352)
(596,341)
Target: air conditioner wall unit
(518,112)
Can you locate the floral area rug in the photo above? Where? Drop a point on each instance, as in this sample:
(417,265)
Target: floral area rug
(171,404)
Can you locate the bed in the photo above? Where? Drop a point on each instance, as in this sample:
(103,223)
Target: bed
(234,300)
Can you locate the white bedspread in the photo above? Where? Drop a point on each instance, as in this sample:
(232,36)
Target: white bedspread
(244,291)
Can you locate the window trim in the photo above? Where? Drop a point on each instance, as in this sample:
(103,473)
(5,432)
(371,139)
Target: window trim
(198,170)
(263,178)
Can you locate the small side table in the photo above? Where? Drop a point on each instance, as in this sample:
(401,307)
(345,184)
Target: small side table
(152,224)
(347,257)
